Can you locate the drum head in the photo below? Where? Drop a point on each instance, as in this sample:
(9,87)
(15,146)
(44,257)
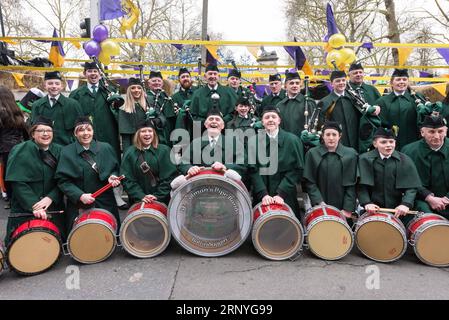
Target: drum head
(330,240)
(278,238)
(91,243)
(432,246)
(145,235)
(34,252)
(210,215)
(380,241)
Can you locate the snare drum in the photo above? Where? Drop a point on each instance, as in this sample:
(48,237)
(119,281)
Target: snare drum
(144,232)
(381,236)
(277,234)
(328,234)
(35,246)
(92,238)
(428,233)
(210,215)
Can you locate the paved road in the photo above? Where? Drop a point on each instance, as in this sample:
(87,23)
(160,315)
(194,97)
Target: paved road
(243,274)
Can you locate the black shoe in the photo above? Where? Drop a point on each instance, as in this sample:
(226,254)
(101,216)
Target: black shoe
(124,206)
(7,205)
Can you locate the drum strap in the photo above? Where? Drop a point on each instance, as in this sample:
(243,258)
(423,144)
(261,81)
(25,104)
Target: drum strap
(86,156)
(147,170)
(48,159)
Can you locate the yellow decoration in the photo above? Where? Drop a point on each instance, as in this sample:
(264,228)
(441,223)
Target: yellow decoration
(110,48)
(131,18)
(334,56)
(348,55)
(337,40)
(104,58)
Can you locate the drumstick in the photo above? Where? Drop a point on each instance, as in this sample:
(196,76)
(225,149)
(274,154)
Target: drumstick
(29,215)
(394,211)
(106,187)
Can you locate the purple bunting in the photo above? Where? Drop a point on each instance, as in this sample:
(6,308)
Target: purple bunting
(444,52)
(261,90)
(367,45)
(297,55)
(111,9)
(374,75)
(325,72)
(177,46)
(424,74)
(70,84)
(57,43)
(122,82)
(331,24)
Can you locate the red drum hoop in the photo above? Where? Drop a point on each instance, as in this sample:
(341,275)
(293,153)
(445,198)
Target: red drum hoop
(210,214)
(35,246)
(381,236)
(144,232)
(329,236)
(93,236)
(428,233)
(277,234)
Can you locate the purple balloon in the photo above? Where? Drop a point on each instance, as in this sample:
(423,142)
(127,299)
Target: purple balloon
(92,48)
(100,33)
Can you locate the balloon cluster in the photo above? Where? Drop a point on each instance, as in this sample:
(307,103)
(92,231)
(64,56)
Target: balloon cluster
(339,55)
(100,46)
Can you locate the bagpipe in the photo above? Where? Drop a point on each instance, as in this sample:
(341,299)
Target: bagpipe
(250,93)
(368,122)
(311,134)
(154,112)
(114,99)
(424,107)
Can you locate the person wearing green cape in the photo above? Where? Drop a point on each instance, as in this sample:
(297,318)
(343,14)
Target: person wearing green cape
(61,110)
(85,166)
(276,162)
(388,178)
(431,157)
(330,171)
(399,108)
(276,95)
(147,167)
(134,111)
(31,170)
(212,95)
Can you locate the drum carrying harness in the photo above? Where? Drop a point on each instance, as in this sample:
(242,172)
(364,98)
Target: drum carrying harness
(147,170)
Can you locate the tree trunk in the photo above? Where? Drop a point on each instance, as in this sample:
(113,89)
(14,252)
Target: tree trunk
(393,29)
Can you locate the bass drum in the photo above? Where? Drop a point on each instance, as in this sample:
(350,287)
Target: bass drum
(35,246)
(210,215)
(428,233)
(144,232)
(277,233)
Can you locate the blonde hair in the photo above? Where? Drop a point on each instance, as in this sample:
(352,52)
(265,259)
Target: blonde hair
(130,102)
(138,144)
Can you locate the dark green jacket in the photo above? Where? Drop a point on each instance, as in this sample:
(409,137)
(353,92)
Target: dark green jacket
(127,124)
(75,176)
(182,96)
(32,180)
(289,165)
(63,114)
(199,153)
(433,167)
(103,116)
(400,111)
(292,113)
(271,100)
(332,176)
(137,184)
(387,184)
(345,114)
(202,103)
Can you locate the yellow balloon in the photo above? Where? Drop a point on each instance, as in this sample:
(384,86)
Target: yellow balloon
(104,58)
(110,47)
(348,55)
(337,40)
(334,56)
